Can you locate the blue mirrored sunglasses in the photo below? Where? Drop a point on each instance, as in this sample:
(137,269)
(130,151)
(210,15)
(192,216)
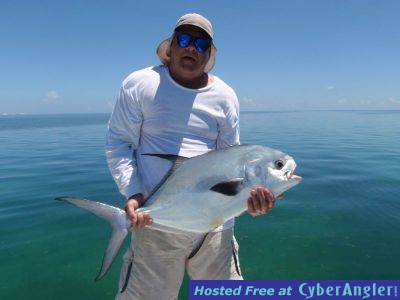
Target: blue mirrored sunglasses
(185,39)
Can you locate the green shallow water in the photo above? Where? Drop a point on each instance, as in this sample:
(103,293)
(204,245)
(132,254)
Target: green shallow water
(341,222)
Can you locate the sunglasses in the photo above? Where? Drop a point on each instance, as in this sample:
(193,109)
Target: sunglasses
(185,39)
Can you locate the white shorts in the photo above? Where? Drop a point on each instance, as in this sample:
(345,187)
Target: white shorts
(155,264)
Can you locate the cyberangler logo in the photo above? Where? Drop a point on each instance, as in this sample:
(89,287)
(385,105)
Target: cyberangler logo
(348,289)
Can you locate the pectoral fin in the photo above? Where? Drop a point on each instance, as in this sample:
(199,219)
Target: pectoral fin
(229,187)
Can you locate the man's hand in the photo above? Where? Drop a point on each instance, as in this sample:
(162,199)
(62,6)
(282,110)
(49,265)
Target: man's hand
(138,219)
(261,201)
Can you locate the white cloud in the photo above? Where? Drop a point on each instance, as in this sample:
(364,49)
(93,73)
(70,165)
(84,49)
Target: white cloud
(247,101)
(329,88)
(366,102)
(52,97)
(392,100)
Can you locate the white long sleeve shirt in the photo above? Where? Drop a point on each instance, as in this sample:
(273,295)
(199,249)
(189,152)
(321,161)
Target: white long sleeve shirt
(155,115)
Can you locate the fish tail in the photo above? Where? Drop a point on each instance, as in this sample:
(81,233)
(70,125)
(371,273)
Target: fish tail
(116,217)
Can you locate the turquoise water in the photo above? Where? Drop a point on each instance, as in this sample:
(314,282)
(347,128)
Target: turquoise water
(341,222)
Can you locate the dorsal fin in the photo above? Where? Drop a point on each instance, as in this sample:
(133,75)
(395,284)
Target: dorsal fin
(229,187)
(170,157)
(176,161)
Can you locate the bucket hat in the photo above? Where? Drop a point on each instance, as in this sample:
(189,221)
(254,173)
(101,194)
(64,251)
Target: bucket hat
(192,19)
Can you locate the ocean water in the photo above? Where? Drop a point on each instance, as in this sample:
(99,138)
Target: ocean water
(341,222)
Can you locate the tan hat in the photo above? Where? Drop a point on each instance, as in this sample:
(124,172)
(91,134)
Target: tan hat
(163,50)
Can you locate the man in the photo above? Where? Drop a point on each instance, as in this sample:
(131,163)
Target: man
(176,108)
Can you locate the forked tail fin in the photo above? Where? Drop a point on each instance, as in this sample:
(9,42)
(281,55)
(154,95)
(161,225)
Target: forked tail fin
(118,221)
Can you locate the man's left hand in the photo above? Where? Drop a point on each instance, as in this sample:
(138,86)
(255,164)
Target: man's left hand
(261,201)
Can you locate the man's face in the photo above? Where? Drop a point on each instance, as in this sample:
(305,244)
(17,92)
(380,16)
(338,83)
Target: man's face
(188,62)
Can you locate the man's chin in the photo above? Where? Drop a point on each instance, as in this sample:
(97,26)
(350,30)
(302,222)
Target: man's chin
(189,67)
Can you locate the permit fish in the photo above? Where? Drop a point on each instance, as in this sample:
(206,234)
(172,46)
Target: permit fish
(200,193)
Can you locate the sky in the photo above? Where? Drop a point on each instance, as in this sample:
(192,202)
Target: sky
(70,56)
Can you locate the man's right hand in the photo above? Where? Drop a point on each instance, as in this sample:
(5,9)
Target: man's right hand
(138,219)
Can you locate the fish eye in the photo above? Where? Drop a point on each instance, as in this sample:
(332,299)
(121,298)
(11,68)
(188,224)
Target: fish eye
(279,164)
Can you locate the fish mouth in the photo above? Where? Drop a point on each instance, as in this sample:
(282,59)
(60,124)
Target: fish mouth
(296,177)
(291,176)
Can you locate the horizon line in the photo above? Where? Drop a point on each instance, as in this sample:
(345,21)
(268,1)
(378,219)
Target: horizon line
(242,111)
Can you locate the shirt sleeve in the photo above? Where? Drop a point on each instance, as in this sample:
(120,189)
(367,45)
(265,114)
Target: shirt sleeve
(228,131)
(122,140)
